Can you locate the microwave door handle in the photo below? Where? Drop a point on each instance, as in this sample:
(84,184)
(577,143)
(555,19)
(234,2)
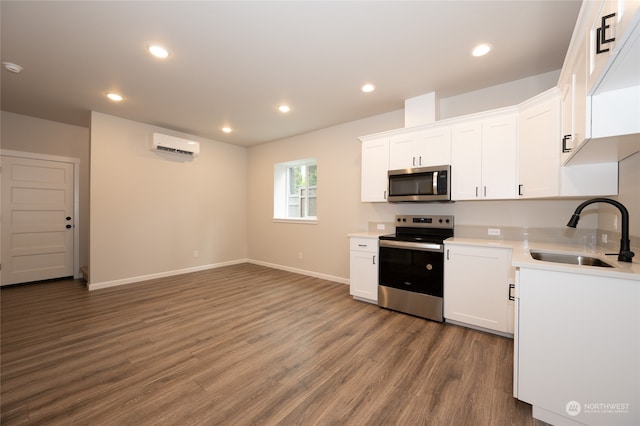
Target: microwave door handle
(435,183)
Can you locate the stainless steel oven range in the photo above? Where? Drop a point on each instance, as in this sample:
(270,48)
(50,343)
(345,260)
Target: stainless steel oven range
(411,266)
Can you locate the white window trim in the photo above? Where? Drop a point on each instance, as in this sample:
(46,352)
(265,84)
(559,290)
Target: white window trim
(306,221)
(280,194)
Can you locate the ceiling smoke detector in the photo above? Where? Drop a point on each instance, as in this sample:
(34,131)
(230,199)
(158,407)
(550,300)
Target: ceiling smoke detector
(14,68)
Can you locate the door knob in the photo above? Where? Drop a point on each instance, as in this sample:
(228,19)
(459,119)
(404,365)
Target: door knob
(68,226)
(68,218)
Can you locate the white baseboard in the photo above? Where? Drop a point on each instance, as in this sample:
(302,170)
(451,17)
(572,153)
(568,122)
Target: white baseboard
(123,281)
(114,283)
(301,271)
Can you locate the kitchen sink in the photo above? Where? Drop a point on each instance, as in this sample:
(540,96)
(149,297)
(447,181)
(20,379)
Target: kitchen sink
(571,259)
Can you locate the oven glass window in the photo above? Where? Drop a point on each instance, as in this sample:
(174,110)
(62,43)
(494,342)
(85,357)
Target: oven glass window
(412,270)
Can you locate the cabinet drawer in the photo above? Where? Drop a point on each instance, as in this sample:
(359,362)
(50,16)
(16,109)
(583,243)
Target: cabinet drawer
(364,244)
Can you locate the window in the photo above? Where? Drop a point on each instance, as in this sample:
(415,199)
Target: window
(295,189)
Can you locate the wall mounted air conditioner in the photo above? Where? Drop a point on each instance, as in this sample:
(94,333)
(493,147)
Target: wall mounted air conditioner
(173,145)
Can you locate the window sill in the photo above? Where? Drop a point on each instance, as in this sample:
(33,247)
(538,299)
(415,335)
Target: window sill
(294,220)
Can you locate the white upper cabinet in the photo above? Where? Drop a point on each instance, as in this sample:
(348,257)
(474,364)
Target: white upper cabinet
(539,159)
(483,158)
(466,161)
(499,156)
(573,85)
(403,151)
(601,37)
(540,150)
(604,56)
(610,28)
(423,148)
(375,164)
(434,146)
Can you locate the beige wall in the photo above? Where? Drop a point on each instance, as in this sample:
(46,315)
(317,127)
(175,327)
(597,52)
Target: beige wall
(502,95)
(337,150)
(29,134)
(150,212)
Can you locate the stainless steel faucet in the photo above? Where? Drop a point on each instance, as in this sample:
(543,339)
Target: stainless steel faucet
(625,253)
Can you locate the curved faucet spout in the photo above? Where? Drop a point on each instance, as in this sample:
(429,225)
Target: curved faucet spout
(625,254)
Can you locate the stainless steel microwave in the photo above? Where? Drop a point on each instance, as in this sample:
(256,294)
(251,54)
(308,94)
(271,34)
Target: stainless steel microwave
(420,184)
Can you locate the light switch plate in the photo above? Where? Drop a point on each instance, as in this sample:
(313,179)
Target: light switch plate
(493,231)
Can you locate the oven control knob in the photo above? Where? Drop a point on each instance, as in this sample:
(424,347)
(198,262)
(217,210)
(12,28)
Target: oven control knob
(429,266)
(440,220)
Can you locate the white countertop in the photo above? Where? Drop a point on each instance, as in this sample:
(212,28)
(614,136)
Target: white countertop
(522,258)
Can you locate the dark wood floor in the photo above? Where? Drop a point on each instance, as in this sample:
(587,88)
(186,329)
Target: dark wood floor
(242,345)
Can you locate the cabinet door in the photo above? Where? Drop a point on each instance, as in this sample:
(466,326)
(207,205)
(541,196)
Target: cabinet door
(434,147)
(466,166)
(601,45)
(538,154)
(574,105)
(402,151)
(499,157)
(569,325)
(363,280)
(579,110)
(476,286)
(566,102)
(375,164)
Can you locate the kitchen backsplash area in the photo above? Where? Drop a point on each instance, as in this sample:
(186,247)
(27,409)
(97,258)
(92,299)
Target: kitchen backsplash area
(587,240)
(381,227)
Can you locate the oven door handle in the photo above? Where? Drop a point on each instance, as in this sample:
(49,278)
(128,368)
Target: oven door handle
(412,246)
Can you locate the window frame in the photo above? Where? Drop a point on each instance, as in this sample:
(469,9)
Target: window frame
(281,194)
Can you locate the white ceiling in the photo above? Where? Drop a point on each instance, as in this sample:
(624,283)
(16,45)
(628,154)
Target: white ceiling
(232,63)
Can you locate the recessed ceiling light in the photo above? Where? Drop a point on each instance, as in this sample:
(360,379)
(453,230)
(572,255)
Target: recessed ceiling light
(226,129)
(14,68)
(158,51)
(114,97)
(368,88)
(481,49)
(284,108)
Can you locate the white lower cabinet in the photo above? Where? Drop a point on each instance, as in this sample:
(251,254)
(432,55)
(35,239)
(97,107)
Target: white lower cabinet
(363,279)
(476,287)
(577,347)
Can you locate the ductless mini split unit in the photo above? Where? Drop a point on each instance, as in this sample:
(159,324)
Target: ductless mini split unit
(173,145)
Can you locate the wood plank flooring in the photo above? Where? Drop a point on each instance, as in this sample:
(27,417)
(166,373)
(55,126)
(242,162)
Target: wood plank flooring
(242,345)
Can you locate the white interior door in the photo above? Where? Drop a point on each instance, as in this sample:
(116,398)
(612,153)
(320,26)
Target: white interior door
(37,219)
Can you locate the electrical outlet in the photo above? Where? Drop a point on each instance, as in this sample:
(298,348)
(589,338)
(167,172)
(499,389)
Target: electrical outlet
(300,255)
(605,238)
(493,231)
(196,253)
(380,226)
